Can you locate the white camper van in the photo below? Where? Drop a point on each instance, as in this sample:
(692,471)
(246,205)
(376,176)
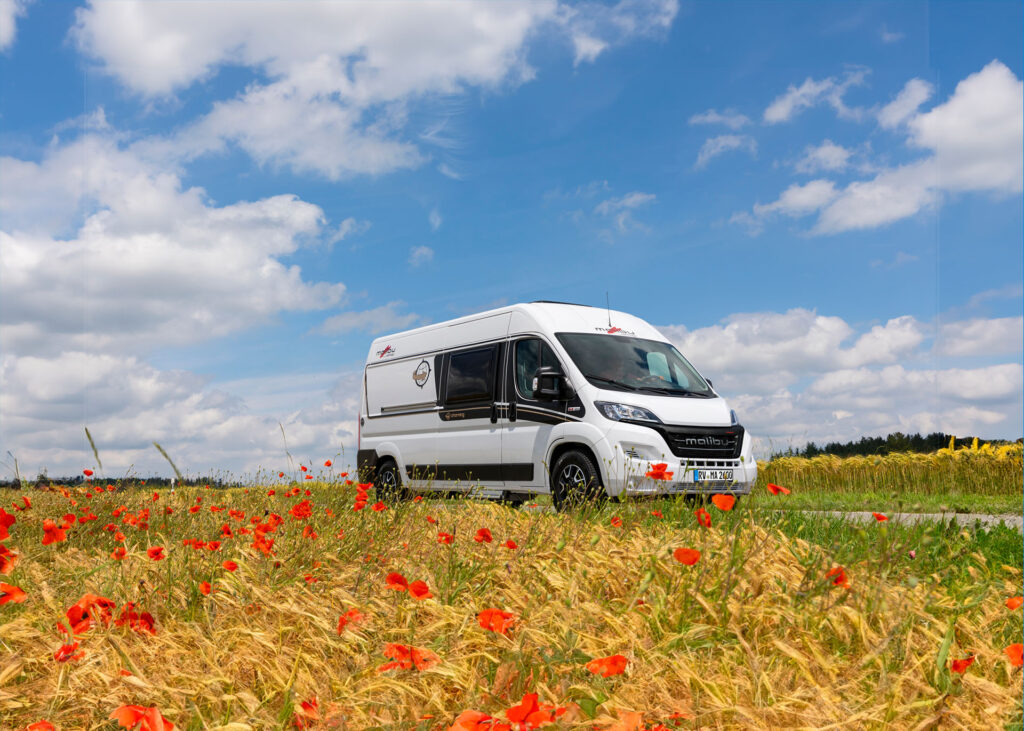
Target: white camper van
(545,397)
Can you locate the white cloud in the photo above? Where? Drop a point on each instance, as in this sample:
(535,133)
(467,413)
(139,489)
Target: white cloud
(811,93)
(338,76)
(900,259)
(730,118)
(385,318)
(435,220)
(974,141)
(9,12)
(594,26)
(890,36)
(420,255)
(715,146)
(349,227)
(858,382)
(206,428)
(799,200)
(620,209)
(914,93)
(828,156)
(146,262)
(981,336)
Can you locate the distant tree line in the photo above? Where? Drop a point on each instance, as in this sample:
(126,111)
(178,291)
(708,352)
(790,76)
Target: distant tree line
(895,442)
(42,480)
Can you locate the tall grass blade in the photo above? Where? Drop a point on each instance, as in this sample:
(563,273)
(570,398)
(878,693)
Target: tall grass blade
(95,452)
(169,461)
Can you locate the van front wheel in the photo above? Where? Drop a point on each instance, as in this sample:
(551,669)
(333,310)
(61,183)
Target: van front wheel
(388,483)
(575,481)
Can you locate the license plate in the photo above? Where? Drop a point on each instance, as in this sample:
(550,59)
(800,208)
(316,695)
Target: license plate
(712,475)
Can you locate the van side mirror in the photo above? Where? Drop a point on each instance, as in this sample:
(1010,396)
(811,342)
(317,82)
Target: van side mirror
(549,384)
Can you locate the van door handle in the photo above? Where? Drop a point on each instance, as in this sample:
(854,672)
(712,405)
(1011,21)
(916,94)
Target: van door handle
(494,412)
(511,410)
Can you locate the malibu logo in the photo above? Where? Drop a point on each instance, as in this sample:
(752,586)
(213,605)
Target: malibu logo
(614,330)
(706,442)
(388,350)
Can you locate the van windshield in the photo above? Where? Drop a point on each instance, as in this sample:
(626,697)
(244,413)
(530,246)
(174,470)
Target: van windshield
(633,364)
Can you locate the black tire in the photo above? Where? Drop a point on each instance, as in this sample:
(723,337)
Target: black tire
(387,483)
(576,481)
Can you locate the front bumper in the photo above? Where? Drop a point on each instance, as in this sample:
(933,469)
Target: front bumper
(633,450)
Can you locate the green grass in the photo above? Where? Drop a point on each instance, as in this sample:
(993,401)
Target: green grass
(906,501)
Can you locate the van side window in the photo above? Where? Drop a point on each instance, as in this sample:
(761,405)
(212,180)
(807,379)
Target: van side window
(470,375)
(531,355)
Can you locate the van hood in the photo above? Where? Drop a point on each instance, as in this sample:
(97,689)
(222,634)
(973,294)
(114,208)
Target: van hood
(673,410)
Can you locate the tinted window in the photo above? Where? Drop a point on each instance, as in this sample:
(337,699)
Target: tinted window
(470,375)
(531,355)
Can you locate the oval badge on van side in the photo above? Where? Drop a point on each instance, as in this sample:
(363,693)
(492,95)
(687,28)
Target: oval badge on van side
(421,374)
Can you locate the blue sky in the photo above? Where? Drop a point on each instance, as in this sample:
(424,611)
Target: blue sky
(819,203)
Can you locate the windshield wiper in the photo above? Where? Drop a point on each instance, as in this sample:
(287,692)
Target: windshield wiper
(672,391)
(611,381)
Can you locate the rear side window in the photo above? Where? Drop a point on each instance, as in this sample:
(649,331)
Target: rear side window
(531,355)
(470,375)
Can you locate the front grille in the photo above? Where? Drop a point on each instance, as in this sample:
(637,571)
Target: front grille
(704,442)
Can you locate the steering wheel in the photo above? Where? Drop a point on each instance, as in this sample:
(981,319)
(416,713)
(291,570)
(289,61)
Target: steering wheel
(652,380)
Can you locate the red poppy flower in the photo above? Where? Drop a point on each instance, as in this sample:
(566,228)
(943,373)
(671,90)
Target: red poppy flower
(87,473)
(26,503)
(6,521)
(40,726)
(140,718)
(11,594)
(724,502)
(838,576)
(445,538)
(87,610)
(703,517)
(408,657)
(396,581)
(1014,602)
(959,666)
(308,532)
(303,467)
(353,616)
(328,463)
(308,711)
(156,553)
(1015,652)
(418,499)
(688,556)
(119,553)
(776,489)
(657,514)
(309,477)
(510,544)
(8,560)
(230,565)
(52,533)
(616,521)
(496,620)
(279,474)
(138,621)
(530,714)
(378,506)
(431,520)
(420,590)
(608,666)
(880,517)
(658,472)
(483,536)
(66,653)
(205,588)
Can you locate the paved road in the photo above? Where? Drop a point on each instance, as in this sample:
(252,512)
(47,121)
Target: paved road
(1016,521)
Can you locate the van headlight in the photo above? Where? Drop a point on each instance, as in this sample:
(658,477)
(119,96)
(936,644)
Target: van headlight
(625,412)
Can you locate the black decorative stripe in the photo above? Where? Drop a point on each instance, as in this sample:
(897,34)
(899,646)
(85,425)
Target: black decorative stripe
(472,472)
